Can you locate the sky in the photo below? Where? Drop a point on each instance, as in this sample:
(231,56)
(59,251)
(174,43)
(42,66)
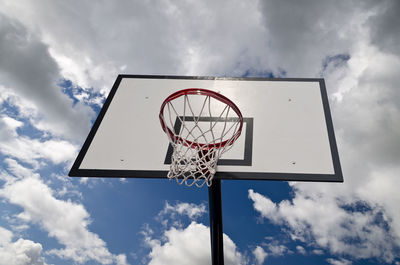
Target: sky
(58,61)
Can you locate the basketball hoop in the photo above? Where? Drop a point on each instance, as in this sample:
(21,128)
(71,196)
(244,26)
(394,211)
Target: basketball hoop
(201,127)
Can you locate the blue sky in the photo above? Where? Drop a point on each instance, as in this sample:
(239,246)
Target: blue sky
(58,61)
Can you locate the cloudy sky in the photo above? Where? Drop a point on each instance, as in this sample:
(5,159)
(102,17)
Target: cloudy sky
(58,60)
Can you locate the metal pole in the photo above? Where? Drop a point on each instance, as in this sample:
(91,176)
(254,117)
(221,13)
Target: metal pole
(215,209)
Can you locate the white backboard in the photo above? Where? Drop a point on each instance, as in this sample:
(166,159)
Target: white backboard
(287,134)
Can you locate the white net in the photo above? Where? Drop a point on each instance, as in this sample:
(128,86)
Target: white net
(204,128)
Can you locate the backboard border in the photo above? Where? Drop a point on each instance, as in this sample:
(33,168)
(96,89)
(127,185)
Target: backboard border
(336,177)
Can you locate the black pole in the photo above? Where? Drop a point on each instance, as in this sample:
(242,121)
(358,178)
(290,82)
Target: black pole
(215,209)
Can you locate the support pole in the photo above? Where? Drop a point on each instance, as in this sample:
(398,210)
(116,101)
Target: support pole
(215,209)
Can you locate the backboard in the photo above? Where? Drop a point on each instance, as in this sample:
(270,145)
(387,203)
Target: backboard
(287,130)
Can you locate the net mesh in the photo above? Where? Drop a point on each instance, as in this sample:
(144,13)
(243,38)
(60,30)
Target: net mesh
(204,128)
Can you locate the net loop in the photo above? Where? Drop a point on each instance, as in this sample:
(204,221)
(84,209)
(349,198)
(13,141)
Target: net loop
(201,126)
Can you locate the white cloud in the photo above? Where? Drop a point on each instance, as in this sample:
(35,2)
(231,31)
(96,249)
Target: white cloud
(11,124)
(29,150)
(17,171)
(273,249)
(303,34)
(8,128)
(260,255)
(384,27)
(27,67)
(318,252)
(321,221)
(19,252)
(191,210)
(371,102)
(172,213)
(339,261)
(5,236)
(263,204)
(166,37)
(121,259)
(276,249)
(381,191)
(189,245)
(66,221)
(301,250)
(24,107)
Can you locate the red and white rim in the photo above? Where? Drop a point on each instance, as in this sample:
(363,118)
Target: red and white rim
(205,92)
